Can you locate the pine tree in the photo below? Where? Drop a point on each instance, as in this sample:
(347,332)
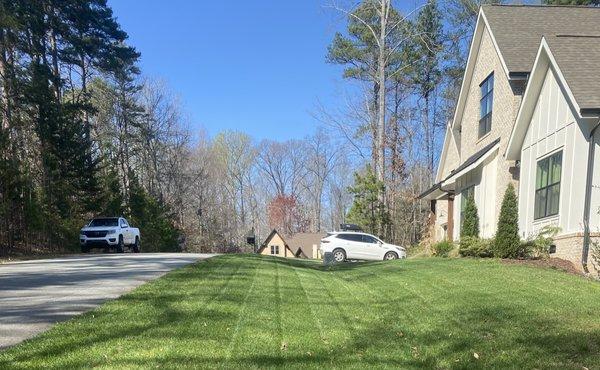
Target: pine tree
(507,243)
(368,211)
(370,53)
(470,226)
(427,72)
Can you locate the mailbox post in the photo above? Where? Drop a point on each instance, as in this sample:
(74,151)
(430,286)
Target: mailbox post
(251,239)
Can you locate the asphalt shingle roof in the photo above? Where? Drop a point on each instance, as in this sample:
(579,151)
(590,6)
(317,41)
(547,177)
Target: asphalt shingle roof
(472,159)
(579,61)
(304,242)
(518,29)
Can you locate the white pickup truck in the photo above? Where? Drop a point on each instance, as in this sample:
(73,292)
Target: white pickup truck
(109,232)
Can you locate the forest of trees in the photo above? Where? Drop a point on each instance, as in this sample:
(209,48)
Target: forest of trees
(84,133)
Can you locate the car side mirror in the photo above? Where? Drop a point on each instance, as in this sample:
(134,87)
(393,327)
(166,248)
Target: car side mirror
(123,226)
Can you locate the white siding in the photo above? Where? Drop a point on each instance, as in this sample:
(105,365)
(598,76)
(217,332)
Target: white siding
(483,179)
(595,199)
(553,128)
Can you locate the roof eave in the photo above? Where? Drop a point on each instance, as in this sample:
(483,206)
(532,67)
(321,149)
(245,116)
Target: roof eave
(544,60)
(480,26)
(589,112)
(518,76)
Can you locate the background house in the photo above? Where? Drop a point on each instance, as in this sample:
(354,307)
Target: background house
(275,245)
(306,245)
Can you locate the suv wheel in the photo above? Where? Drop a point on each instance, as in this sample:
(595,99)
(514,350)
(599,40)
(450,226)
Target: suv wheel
(136,246)
(339,255)
(121,245)
(390,256)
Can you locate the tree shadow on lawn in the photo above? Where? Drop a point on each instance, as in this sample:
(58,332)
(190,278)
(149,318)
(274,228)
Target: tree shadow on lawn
(502,336)
(319,265)
(515,341)
(502,333)
(106,326)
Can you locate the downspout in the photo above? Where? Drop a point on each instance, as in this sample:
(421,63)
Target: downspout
(588,199)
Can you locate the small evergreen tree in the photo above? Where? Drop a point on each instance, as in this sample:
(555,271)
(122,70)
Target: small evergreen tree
(470,225)
(368,211)
(508,243)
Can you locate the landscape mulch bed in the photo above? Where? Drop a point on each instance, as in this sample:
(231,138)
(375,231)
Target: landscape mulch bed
(553,263)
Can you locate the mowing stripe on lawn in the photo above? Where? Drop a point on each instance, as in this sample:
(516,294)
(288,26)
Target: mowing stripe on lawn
(261,312)
(243,314)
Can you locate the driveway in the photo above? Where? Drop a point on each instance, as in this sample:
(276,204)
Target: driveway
(36,294)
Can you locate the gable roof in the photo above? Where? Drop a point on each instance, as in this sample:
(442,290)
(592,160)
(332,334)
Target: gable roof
(574,59)
(518,29)
(471,162)
(578,57)
(474,159)
(300,254)
(268,240)
(448,141)
(301,243)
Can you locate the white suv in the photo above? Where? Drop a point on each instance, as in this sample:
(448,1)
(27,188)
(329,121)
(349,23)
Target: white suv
(359,246)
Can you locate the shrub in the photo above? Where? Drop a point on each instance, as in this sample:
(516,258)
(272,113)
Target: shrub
(470,225)
(475,247)
(539,246)
(443,248)
(507,243)
(595,251)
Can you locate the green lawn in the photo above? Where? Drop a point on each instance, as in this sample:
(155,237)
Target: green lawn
(252,311)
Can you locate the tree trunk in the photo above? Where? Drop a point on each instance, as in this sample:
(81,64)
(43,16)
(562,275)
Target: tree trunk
(5,87)
(381,80)
(427,129)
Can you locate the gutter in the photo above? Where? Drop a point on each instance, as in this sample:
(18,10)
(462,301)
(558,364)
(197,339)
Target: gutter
(518,75)
(588,200)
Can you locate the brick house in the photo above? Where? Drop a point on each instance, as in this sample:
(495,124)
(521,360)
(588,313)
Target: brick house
(527,112)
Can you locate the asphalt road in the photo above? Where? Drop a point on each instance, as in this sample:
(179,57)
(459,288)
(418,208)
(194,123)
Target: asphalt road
(36,294)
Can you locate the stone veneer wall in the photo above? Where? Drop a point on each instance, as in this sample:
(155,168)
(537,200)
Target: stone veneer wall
(507,97)
(569,247)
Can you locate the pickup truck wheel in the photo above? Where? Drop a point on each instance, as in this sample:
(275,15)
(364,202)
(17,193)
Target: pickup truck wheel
(85,249)
(121,245)
(136,246)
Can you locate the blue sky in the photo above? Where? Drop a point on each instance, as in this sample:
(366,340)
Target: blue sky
(256,66)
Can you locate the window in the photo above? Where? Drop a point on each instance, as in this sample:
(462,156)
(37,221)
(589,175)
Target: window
(343,236)
(124,223)
(464,195)
(369,239)
(486,103)
(104,222)
(350,237)
(547,186)
(274,249)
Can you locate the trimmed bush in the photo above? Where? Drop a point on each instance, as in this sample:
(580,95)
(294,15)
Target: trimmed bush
(507,243)
(539,247)
(470,225)
(443,248)
(474,247)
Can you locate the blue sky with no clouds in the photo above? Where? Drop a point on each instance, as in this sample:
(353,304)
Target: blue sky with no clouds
(256,66)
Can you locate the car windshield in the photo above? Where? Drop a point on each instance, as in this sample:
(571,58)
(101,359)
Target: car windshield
(104,222)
